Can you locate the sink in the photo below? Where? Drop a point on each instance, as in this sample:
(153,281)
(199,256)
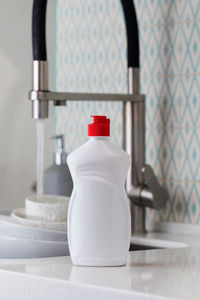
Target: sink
(138,247)
(19,241)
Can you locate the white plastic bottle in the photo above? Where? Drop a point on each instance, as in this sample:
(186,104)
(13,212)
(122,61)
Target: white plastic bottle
(99,222)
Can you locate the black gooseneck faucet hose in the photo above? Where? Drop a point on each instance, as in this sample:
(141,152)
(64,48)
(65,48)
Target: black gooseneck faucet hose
(39,31)
(131,33)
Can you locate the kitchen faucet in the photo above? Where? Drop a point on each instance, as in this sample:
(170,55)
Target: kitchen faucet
(142,186)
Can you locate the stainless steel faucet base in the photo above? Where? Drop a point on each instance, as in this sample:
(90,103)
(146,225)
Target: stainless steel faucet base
(142,185)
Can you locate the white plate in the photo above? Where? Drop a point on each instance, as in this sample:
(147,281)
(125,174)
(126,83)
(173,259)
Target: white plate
(20,215)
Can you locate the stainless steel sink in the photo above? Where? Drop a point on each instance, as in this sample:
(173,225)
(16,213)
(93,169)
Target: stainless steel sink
(143,243)
(135,247)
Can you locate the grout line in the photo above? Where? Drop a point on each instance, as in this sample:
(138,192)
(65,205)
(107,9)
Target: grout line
(179,180)
(95,32)
(122,29)
(168,75)
(174,128)
(189,21)
(143,77)
(177,75)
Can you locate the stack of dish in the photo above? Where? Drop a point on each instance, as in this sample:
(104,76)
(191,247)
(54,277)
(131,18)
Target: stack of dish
(25,235)
(49,213)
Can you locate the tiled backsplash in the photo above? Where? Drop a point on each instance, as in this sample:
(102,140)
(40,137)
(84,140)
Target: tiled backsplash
(91,56)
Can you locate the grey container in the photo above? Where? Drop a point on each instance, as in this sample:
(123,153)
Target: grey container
(57,178)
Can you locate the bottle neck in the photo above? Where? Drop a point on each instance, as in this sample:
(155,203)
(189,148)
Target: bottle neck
(60,158)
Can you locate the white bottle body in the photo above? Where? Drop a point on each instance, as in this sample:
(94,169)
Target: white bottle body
(99,222)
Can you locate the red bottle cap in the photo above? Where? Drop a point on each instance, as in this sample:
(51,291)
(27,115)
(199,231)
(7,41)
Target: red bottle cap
(99,127)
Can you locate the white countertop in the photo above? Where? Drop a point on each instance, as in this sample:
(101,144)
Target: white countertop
(151,274)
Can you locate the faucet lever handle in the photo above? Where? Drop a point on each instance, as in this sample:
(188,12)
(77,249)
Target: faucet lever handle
(153,194)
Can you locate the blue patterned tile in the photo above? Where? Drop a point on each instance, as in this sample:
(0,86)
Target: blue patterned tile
(91,57)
